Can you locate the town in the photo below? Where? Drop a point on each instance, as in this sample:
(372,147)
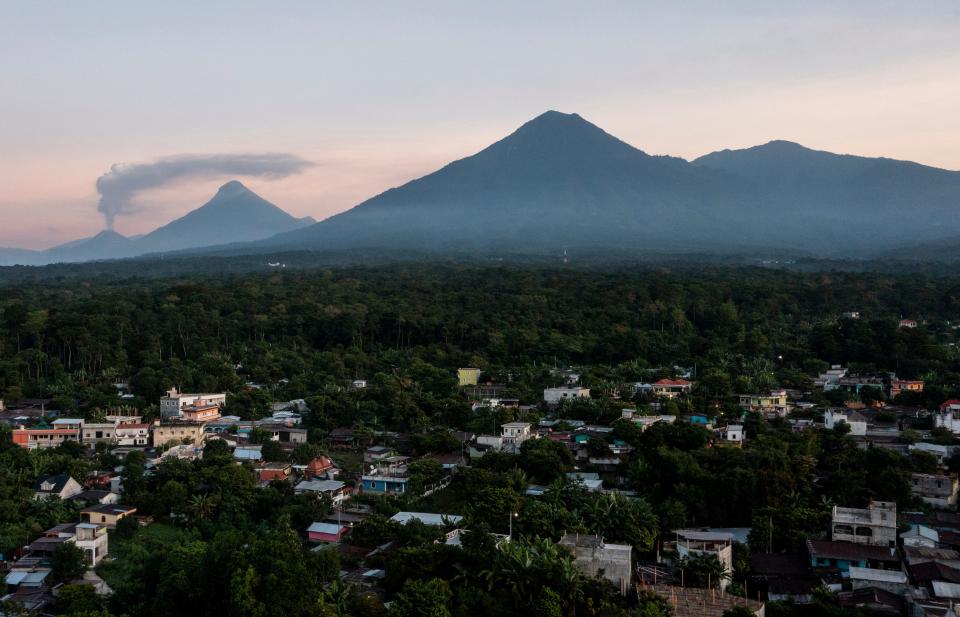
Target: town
(776,487)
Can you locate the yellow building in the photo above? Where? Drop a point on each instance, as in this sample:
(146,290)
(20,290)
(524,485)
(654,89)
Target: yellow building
(468,376)
(106,514)
(179,432)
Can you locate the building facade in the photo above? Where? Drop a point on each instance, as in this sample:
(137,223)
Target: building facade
(172,405)
(875,525)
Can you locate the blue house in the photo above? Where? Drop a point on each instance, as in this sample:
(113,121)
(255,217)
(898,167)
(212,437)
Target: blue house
(377,483)
(841,556)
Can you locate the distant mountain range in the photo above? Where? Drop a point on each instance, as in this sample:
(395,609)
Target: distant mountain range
(561,183)
(235,214)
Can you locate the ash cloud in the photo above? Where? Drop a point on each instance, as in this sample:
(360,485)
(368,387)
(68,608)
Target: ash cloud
(119,187)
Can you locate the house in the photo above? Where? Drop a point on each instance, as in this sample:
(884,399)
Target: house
(853,419)
(554,396)
(940,451)
(783,577)
(343,438)
(949,416)
(297,405)
(375,454)
(514,434)
(31,438)
(908,323)
(178,432)
(31,577)
(495,403)
(855,383)
(284,434)
(334,489)
(385,480)
(106,514)
(588,480)
(594,557)
(132,434)
(347,516)
(93,496)
(773,404)
(468,376)
(319,467)
(92,539)
(733,433)
(450,461)
(878,602)
(830,379)
(248,453)
(692,543)
(204,412)
(937,490)
(61,486)
(98,432)
(427,518)
(841,556)
(899,386)
(920,535)
(326,532)
(275,471)
(671,388)
(646,421)
(173,404)
(893,581)
(485,390)
(875,525)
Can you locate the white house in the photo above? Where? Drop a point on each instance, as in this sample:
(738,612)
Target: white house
(830,380)
(514,434)
(949,416)
(856,422)
(93,540)
(553,396)
(692,543)
(733,433)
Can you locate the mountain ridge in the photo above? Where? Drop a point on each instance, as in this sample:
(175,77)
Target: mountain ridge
(233,214)
(559,182)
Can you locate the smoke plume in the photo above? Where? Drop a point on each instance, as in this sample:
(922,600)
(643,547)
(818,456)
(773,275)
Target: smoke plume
(119,186)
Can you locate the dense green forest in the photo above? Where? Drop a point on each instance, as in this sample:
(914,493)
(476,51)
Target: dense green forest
(421,322)
(221,545)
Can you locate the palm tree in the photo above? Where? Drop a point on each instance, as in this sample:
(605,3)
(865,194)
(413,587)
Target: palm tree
(201,506)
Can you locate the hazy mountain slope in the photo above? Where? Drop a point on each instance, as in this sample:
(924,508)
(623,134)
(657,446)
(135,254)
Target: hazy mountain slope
(13,257)
(105,245)
(866,203)
(558,181)
(234,214)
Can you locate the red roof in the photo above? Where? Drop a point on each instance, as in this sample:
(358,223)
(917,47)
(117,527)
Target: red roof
(672,382)
(950,403)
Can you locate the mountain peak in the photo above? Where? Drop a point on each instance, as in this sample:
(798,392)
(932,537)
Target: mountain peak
(783,144)
(233,187)
(109,234)
(556,121)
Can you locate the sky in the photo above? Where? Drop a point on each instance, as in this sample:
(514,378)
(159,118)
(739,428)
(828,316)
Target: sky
(372,94)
